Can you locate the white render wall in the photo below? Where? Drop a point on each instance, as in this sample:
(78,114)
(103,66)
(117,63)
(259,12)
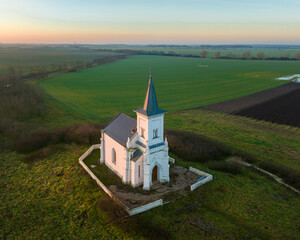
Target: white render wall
(137,180)
(119,167)
(149,124)
(158,159)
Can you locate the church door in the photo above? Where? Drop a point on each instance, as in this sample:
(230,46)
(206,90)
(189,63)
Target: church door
(154,174)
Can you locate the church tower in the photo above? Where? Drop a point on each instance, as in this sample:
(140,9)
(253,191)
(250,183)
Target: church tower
(150,118)
(150,128)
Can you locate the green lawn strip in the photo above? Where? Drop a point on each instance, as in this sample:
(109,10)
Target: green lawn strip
(266,141)
(104,91)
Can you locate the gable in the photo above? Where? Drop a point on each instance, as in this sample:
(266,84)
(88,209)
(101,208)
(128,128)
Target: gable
(121,128)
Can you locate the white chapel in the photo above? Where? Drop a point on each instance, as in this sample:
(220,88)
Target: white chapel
(136,150)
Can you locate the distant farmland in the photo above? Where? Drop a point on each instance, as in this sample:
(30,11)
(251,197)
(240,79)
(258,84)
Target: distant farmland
(30,57)
(181,83)
(225,51)
(278,105)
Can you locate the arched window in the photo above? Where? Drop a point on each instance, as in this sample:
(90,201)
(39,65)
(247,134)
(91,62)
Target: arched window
(113,156)
(155,133)
(139,171)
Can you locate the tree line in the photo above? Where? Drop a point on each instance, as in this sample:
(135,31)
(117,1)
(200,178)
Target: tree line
(246,55)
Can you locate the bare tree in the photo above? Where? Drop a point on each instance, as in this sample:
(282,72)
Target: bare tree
(217,54)
(203,53)
(260,55)
(247,54)
(297,55)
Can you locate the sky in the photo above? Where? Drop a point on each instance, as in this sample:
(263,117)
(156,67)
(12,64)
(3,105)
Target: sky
(150,21)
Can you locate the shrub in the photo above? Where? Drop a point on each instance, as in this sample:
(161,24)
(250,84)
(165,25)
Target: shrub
(194,147)
(291,176)
(228,167)
(33,142)
(43,153)
(87,133)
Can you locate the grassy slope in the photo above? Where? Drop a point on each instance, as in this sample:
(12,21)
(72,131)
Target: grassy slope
(181,83)
(55,199)
(267,141)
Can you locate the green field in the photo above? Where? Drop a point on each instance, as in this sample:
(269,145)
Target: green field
(181,83)
(30,57)
(53,197)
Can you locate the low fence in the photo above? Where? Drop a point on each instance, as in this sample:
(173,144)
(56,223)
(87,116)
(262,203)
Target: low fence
(88,152)
(146,207)
(208,177)
(131,212)
(171,160)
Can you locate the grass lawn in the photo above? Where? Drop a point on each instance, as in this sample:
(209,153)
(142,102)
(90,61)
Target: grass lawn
(55,198)
(181,83)
(267,141)
(106,176)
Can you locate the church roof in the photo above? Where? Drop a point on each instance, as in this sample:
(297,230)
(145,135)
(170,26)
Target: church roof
(121,128)
(150,105)
(136,155)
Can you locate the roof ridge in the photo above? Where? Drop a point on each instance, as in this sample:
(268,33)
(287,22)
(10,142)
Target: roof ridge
(127,116)
(112,120)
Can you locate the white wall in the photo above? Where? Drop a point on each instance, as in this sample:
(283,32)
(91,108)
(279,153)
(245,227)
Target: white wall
(159,159)
(156,122)
(149,124)
(137,180)
(119,167)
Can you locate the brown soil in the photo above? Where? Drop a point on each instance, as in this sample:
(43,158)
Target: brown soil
(235,105)
(277,105)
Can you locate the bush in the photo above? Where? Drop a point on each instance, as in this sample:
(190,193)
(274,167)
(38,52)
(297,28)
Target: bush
(194,147)
(33,142)
(228,167)
(87,133)
(291,176)
(43,153)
